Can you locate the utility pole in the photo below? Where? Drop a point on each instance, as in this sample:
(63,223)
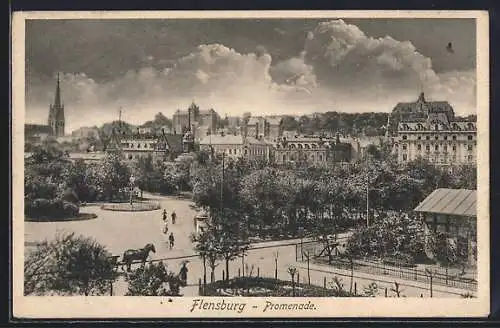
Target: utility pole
(367,201)
(222,184)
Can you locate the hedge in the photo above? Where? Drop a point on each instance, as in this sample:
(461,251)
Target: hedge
(264,287)
(50,209)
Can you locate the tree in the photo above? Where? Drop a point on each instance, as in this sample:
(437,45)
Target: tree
(393,235)
(68,265)
(206,244)
(289,123)
(260,195)
(446,250)
(114,175)
(230,235)
(153,280)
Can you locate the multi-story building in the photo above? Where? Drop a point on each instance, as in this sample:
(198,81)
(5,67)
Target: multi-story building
(313,150)
(273,128)
(438,137)
(236,146)
(159,146)
(183,120)
(254,127)
(264,127)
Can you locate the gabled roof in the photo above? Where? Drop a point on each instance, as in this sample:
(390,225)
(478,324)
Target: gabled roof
(174,142)
(460,202)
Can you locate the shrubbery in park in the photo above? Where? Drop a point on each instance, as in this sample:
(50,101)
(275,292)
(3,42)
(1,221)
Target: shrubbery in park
(68,265)
(153,279)
(42,208)
(396,237)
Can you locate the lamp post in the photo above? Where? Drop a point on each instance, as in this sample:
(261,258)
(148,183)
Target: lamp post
(132,183)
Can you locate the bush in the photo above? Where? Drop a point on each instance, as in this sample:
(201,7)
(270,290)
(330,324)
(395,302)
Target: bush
(264,287)
(400,259)
(50,209)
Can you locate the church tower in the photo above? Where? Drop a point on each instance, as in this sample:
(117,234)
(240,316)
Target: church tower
(56,113)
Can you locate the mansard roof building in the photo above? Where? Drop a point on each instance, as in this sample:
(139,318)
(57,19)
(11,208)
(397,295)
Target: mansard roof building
(435,134)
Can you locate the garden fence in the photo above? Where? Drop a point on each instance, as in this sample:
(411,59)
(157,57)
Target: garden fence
(439,276)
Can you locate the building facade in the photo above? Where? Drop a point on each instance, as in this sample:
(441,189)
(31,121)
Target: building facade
(314,150)
(437,137)
(236,146)
(184,120)
(264,127)
(159,146)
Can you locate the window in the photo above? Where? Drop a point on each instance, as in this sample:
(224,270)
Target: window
(404,157)
(427,147)
(320,158)
(246,152)
(404,146)
(230,151)
(138,145)
(130,157)
(454,148)
(405,137)
(469,147)
(284,158)
(436,137)
(436,147)
(469,137)
(445,137)
(427,137)
(419,147)
(436,127)
(454,137)
(469,158)
(419,138)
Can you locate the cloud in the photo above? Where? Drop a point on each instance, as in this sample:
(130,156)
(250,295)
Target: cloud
(213,75)
(354,65)
(340,68)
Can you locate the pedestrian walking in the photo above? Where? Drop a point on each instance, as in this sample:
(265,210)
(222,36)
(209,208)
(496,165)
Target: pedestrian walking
(165,228)
(164,215)
(183,273)
(174,216)
(171,240)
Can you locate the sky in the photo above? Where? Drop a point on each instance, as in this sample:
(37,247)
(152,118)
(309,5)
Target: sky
(273,66)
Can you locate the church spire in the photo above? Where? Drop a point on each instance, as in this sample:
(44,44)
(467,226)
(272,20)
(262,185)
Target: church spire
(57,99)
(56,113)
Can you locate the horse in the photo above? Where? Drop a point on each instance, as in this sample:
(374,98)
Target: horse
(142,254)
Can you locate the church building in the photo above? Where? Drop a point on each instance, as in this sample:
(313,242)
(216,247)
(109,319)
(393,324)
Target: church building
(35,133)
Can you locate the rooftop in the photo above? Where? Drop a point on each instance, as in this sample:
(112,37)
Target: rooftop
(460,202)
